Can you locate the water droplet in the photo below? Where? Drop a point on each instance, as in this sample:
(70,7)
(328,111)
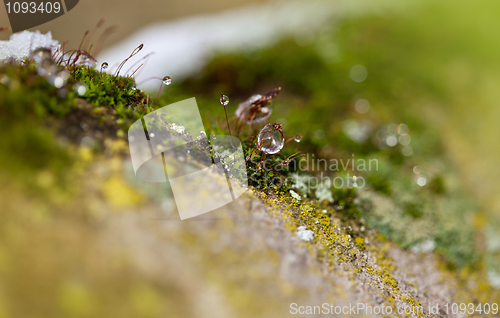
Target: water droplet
(64,74)
(40,55)
(84,126)
(270,139)
(87,142)
(416,170)
(224,100)
(405,140)
(46,68)
(247,110)
(391,141)
(56,81)
(214,137)
(151,135)
(403,129)
(421,181)
(362,106)
(297,138)
(358,73)
(358,131)
(4,80)
(167,80)
(80,89)
(87,61)
(407,151)
(104,65)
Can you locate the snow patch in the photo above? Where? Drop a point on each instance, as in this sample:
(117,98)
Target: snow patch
(304,234)
(22,43)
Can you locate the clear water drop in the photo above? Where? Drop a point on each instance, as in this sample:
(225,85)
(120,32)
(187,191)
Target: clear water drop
(56,81)
(214,137)
(297,138)
(4,80)
(104,65)
(407,151)
(84,126)
(60,79)
(87,142)
(40,55)
(270,139)
(87,61)
(421,181)
(247,111)
(224,100)
(403,129)
(47,68)
(64,74)
(80,89)
(358,73)
(391,141)
(404,140)
(362,106)
(167,80)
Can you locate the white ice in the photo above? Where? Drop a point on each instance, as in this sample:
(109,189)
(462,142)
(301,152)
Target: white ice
(22,43)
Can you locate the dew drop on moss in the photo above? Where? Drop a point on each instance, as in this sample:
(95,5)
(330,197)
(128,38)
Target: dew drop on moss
(46,68)
(80,89)
(224,100)
(270,139)
(86,61)
(40,55)
(167,80)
